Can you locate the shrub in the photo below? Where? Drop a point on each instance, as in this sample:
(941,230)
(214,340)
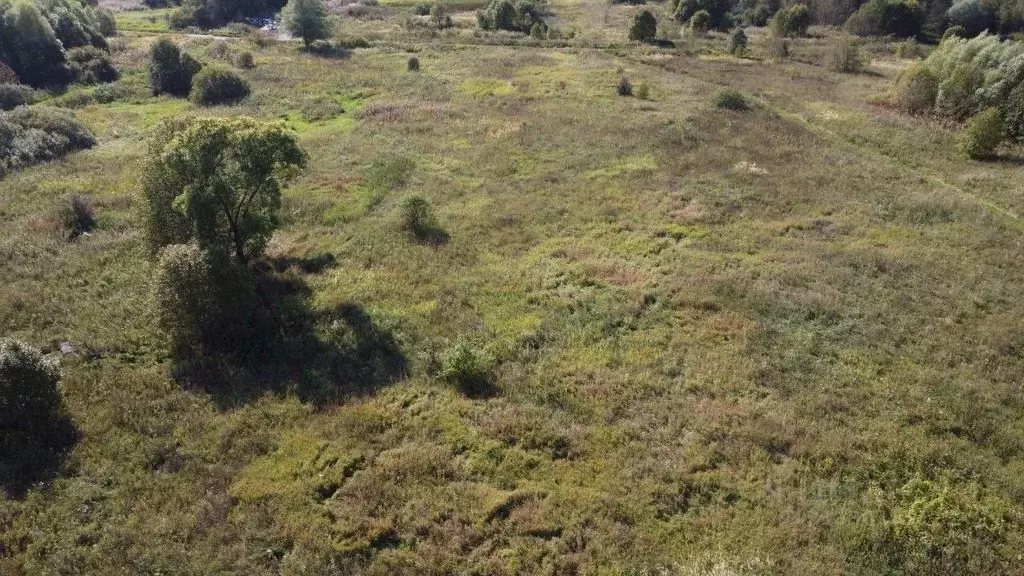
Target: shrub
(419,221)
(14,95)
(75,215)
(246,61)
(91,65)
(738,42)
(306,19)
(213,13)
(413,65)
(700,23)
(643,92)
(909,48)
(29,395)
(730,100)
(421,9)
(171,70)
(214,85)
(518,16)
(981,135)
(792,21)
(538,31)
(105,22)
(440,19)
(185,296)
(916,89)
(624,88)
(844,56)
(29,135)
(29,45)
(717,10)
(975,74)
(955,32)
(885,18)
(468,369)
(644,27)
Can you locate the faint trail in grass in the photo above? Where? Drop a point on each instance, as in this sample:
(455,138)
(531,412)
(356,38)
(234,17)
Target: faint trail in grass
(823,132)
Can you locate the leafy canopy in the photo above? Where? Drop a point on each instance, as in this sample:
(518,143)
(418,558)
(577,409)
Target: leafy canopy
(218,181)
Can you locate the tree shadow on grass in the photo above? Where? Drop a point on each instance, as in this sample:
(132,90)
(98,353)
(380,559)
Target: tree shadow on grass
(37,457)
(287,347)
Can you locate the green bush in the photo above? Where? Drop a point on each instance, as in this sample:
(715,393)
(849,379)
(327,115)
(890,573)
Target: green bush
(14,95)
(413,65)
(981,134)
(213,13)
(643,92)
(730,100)
(468,369)
(792,21)
(419,220)
(29,395)
(738,42)
(700,22)
(91,65)
(518,16)
(214,85)
(844,56)
(29,135)
(916,89)
(717,10)
(171,70)
(644,28)
(75,215)
(421,9)
(975,74)
(245,61)
(970,15)
(106,23)
(625,88)
(885,18)
(186,299)
(29,45)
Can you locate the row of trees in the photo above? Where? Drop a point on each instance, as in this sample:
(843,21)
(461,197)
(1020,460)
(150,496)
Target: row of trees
(52,42)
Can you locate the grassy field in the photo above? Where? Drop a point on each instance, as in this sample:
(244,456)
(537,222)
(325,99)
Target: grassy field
(725,342)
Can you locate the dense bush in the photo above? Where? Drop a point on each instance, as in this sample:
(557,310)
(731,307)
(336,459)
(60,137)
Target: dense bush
(717,11)
(738,42)
(700,22)
(419,220)
(214,85)
(643,92)
(91,65)
(35,34)
(644,28)
(1013,114)
(730,100)
(413,65)
(29,135)
(14,95)
(916,89)
(518,16)
(885,18)
(981,134)
(170,69)
(33,423)
(979,73)
(955,32)
(792,21)
(186,299)
(306,19)
(844,56)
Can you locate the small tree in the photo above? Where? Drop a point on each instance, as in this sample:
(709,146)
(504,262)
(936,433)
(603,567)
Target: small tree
(738,42)
(644,27)
(982,133)
(792,21)
(844,56)
(218,180)
(916,89)
(171,70)
(306,19)
(215,85)
(625,88)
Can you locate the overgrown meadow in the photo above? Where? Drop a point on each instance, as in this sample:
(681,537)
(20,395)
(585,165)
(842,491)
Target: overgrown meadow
(780,340)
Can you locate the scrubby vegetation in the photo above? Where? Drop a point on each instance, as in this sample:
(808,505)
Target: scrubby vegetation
(644,28)
(517,16)
(214,85)
(493,318)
